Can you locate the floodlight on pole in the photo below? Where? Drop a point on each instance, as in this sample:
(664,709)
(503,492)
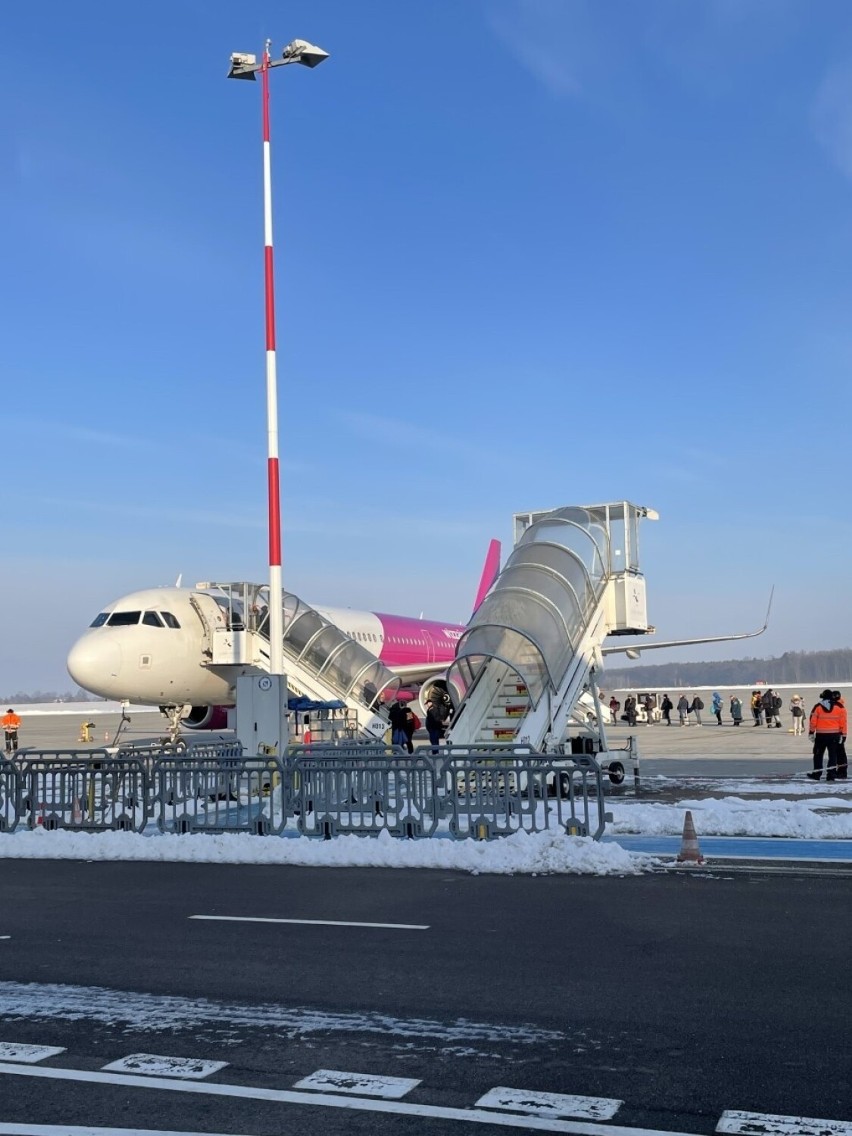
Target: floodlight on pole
(245,66)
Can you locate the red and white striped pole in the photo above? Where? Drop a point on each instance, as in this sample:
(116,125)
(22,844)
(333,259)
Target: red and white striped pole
(276,598)
(245,66)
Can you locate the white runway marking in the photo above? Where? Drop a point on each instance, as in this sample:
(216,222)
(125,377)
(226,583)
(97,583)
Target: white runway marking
(27,1054)
(551,1104)
(367,1084)
(310,922)
(766,1124)
(150,1065)
(322,1100)
(5,936)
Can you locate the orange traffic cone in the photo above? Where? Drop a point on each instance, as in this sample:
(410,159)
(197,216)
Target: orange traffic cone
(689,853)
(76,811)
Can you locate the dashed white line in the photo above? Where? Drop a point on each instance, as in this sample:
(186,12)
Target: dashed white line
(323,1100)
(551,1104)
(152,1065)
(27,1054)
(310,922)
(767,1124)
(367,1084)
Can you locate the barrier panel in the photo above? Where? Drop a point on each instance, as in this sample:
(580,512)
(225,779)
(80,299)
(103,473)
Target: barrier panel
(10,796)
(333,795)
(490,796)
(237,794)
(319,792)
(93,793)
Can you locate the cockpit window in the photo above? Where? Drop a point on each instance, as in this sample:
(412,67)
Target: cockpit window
(124,618)
(151,619)
(100,620)
(169,619)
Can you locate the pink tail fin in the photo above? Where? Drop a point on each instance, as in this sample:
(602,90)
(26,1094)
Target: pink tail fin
(490,571)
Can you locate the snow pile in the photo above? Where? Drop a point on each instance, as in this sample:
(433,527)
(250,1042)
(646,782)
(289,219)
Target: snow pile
(522,853)
(737,817)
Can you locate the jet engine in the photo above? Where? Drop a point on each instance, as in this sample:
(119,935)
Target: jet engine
(206,718)
(438,687)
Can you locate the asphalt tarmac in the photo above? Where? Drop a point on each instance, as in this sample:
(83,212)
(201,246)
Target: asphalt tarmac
(680,996)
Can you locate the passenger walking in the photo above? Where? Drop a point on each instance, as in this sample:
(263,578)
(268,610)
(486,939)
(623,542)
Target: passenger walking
(648,703)
(757,708)
(667,706)
(696,708)
(683,709)
(434,723)
(736,710)
(827,728)
(411,724)
(797,711)
(630,710)
(397,716)
(614,707)
(777,703)
(842,760)
(11,725)
(717,707)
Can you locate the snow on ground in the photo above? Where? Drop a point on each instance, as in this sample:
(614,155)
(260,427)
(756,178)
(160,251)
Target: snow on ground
(542,853)
(735,816)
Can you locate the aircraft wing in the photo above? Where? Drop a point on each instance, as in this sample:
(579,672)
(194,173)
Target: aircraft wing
(419,672)
(634,650)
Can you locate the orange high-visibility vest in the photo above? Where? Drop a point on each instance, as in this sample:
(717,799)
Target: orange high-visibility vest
(831,721)
(10,722)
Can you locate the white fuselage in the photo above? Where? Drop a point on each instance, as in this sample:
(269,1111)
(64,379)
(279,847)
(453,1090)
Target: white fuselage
(158,658)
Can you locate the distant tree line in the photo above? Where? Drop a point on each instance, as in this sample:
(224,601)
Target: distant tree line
(793,666)
(22,697)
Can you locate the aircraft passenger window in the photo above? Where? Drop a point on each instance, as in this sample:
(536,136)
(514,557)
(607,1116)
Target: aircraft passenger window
(100,620)
(124,618)
(152,619)
(169,619)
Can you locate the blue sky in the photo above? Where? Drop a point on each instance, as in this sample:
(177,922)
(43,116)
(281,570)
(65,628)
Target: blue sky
(528,253)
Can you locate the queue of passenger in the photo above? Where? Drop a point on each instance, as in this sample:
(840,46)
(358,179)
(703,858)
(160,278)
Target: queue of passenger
(827,721)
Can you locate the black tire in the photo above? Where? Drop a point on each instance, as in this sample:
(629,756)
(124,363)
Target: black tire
(562,786)
(615,771)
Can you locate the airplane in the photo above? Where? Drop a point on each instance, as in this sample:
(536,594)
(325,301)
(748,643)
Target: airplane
(148,648)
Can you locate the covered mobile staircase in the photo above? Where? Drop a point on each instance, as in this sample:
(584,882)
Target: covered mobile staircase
(533,647)
(322,663)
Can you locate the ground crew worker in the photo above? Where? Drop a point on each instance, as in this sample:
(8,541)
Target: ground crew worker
(11,724)
(827,728)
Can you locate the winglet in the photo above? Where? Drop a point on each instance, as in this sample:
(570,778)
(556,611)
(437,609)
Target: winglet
(490,572)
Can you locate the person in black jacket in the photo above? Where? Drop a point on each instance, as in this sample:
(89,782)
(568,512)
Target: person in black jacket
(768,704)
(397,717)
(667,706)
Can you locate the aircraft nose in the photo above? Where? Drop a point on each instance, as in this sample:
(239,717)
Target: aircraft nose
(94,663)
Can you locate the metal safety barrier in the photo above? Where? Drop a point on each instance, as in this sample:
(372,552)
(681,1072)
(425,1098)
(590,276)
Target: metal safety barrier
(320,792)
(491,796)
(333,795)
(95,793)
(219,795)
(10,796)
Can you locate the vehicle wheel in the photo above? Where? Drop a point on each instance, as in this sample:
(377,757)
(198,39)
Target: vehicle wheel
(616,772)
(562,786)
